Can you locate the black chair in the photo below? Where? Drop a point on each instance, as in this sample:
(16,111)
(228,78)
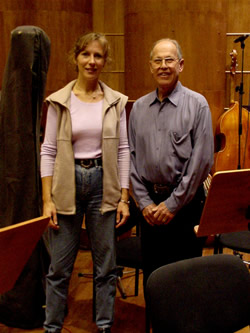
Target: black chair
(239,242)
(128,250)
(201,295)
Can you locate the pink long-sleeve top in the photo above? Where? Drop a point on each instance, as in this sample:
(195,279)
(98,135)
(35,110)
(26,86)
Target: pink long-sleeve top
(86,139)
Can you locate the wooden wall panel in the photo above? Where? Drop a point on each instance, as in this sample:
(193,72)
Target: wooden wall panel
(108,15)
(62,20)
(200,28)
(111,23)
(238,22)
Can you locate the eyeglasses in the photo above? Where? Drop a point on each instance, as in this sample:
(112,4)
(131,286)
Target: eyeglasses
(158,61)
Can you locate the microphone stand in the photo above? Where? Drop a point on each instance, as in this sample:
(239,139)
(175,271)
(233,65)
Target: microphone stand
(241,92)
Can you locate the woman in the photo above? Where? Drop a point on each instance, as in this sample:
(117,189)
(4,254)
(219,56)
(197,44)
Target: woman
(85,172)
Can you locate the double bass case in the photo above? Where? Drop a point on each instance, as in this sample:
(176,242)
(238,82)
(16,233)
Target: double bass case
(22,96)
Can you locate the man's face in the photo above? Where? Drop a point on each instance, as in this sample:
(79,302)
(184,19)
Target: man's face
(165,65)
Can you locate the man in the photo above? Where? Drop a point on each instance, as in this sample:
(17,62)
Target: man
(171,142)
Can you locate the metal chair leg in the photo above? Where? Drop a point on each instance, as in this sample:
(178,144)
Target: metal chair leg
(120,287)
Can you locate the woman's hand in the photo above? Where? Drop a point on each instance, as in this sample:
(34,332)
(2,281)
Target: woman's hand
(122,214)
(49,209)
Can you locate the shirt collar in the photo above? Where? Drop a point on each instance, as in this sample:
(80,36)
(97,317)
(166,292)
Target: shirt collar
(173,97)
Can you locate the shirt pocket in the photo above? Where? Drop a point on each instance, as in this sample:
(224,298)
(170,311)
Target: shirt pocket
(181,145)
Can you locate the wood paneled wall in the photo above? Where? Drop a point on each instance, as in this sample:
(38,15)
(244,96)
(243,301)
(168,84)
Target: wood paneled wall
(108,18)
(62,20)
(200,26)
(238,22)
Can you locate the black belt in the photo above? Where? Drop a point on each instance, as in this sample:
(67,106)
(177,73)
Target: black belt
(89,163)
(161,189)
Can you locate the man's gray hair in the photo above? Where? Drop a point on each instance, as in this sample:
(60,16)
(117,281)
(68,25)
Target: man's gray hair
(179,52)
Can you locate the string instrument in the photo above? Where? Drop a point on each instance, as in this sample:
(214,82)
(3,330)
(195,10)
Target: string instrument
(228,144)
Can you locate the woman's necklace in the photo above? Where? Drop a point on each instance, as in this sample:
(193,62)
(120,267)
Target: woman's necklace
(88,96)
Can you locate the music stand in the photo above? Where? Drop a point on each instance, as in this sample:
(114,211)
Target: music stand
(227,206)
(16,245)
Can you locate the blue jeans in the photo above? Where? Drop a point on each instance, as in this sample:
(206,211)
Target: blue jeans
(63,247)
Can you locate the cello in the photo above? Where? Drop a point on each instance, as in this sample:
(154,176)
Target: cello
(232,147)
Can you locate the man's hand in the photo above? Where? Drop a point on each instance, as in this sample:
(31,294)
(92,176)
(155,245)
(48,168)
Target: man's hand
(148,214)
(161,214)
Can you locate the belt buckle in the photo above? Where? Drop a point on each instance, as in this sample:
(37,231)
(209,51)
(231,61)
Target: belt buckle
(155,188)
(158,188)
(86,166)
(161,189)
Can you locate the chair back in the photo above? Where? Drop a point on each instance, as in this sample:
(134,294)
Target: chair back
(201,295)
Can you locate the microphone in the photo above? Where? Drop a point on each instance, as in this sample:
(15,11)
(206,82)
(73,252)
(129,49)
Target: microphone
(241,38)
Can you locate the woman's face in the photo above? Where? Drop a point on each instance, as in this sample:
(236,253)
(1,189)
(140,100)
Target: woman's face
(90,61)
